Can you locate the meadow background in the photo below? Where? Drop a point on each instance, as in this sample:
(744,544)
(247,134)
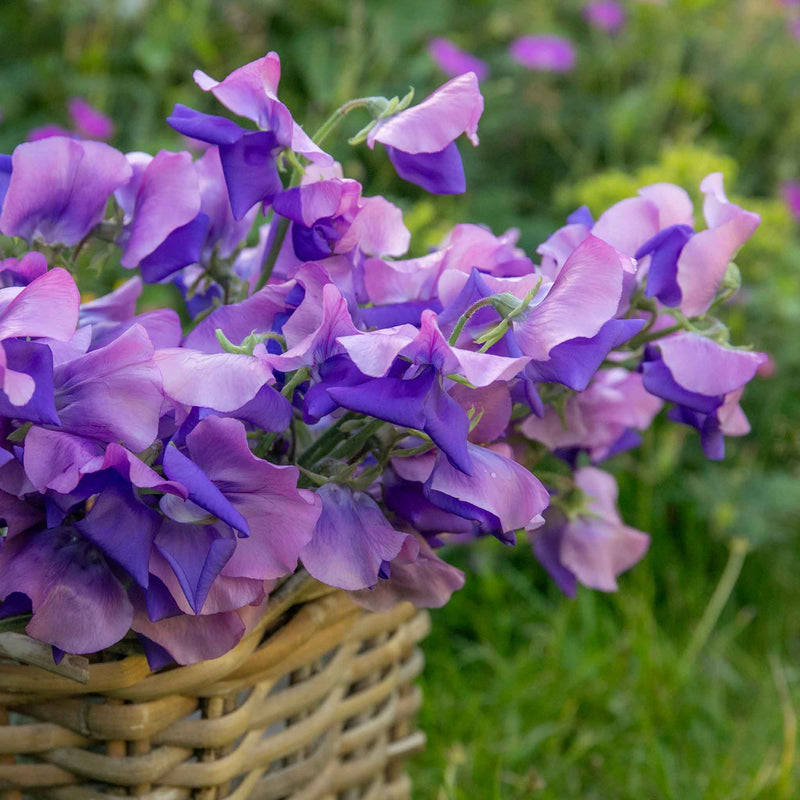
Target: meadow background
(686,683)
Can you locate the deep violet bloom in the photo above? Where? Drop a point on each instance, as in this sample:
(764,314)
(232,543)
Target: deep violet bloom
(351,540)
(78,603)
(412,392)
(88,122)
(592,549)
(607,15)
(420,140)
(59,188)
(543,53)
(454,61)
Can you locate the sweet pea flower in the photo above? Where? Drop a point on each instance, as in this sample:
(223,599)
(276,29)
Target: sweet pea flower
(78,603)
(602,420)
(248,157)
(420,140)
(46,307)
(454,61)
(59,187)
(543,53)
(422,579)
(704,380)
(351,540)
(88,121)
(164,228)
(606,15)
(594,548)
(791,197)
(687,268)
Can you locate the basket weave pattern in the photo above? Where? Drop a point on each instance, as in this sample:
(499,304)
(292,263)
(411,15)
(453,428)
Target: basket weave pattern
(317,703)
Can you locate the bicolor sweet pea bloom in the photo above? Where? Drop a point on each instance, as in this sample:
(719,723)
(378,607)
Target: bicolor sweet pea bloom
(58,189)
(248,157)
(543,53)
(454,61)
(704,380)
(687,268)
(46,307)
(420,140)
(165,228)
(498,498)
(408,367)
(594,548)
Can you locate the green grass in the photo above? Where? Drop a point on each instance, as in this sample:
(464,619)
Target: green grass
(530,694)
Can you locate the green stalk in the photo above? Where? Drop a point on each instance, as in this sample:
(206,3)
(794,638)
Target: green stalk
(738,551)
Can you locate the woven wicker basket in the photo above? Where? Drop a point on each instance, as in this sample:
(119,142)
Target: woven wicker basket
(317,703)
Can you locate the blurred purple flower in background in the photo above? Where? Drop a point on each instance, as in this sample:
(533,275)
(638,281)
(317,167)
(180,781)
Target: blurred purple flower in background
(607,15)
(454,61)
(89,123)
(543,53)
(791,196)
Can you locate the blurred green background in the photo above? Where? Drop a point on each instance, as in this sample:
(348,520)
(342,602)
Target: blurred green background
(684,684)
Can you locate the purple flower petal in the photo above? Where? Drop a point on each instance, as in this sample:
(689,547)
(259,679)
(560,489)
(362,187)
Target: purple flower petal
(78,604)
(191,639)
(59,188)
(167,200)
(251,172)
(543,53)
(426,581)
(437,173)
(583,298)
(122,527)
(429,127)
(224,381)
(201,489)
(500,496)
(351,539)
(454,61)
(48,306)
(113,394)
(196,553)
(279,516)
(36,361)
(204,127)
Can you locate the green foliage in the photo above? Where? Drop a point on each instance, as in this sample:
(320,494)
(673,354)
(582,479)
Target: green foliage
(529,694)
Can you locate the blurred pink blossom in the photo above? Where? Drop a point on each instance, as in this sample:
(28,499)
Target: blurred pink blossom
(543,53)
(454,61)
(607,15)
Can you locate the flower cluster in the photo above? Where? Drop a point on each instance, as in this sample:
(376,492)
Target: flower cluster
(334,404)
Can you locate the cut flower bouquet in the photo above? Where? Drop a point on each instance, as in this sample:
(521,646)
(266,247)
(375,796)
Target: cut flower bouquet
(331,404)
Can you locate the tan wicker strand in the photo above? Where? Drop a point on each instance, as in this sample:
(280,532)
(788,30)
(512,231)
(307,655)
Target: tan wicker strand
(316,703)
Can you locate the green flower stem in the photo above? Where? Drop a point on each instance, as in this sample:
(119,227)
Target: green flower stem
(326,442)
(334,119)
(301,375)
(464,318)
(737,551)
